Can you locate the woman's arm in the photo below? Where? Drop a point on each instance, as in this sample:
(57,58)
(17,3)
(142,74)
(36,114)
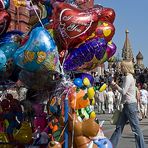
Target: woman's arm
(125,87)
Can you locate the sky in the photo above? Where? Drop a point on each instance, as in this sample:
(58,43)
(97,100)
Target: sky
(131,15)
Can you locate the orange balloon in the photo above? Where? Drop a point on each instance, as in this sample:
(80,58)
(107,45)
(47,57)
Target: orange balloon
(76,100)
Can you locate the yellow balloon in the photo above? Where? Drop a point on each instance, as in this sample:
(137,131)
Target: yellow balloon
(24,134)
(93,101)
(86,82)
(103,87)
(90,92)
(92,114)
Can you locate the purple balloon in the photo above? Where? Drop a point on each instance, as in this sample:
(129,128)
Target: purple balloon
(111,49)
(86,56)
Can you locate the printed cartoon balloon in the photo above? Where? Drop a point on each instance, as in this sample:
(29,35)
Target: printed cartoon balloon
(38,53)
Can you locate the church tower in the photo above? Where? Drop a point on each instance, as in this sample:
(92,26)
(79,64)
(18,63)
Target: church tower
(127,53)
(139,60)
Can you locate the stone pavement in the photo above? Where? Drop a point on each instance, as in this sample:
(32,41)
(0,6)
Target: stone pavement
(127,140)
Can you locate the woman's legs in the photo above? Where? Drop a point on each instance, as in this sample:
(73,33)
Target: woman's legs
(119,128)
(131,113)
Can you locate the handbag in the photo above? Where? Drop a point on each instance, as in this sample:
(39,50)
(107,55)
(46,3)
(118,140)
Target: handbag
(115,117)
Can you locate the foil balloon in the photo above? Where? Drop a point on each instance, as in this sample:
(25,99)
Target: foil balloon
(84,4)
(110,51)
(103,143)
(4,4)
(4,21)
(78,82)
(85,75)
(104,30)
(72,25)
(38,53)
(76,100)
(3,60)
(9,42)
(108,14)
(86,56)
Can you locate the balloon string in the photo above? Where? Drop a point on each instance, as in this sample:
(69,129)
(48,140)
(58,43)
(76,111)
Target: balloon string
(37,14)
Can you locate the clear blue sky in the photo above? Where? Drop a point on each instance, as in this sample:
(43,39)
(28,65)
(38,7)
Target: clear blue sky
(131,15)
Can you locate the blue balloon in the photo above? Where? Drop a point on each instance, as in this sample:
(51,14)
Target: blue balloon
(2,60)
(38,53)
(78,82)
(8,46)
(103,143)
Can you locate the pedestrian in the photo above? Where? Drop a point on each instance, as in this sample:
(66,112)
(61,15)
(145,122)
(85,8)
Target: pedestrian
(144,98)
(129,111)
(111,98)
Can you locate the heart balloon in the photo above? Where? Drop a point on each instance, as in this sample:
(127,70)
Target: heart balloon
(72,25)
(108,14)
(105,30)
(86,56)
(4,21)
(38,53)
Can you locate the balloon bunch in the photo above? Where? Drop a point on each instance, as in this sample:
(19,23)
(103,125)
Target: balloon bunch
(65,36)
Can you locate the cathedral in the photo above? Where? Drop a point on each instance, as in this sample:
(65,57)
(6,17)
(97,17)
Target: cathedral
(127,54)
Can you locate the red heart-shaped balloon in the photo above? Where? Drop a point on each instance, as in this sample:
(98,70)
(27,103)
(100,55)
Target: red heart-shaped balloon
(4,21)
(108,14)
(72,25)
(105,30)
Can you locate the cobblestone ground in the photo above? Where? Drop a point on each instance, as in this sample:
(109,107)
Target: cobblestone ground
(127,140)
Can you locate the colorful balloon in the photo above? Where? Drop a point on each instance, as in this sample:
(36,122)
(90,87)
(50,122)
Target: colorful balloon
(86,56)
(86,81)
(72,25)
(91,92)
(103,87)
(108,14)
(5,19)
(38,53)
(3,61)
(104,30)
(78,82)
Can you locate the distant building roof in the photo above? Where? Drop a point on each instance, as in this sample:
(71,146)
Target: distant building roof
(139,55)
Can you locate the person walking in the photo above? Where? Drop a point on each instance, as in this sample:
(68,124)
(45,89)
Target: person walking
(130,110)
(144,97)
(111,98)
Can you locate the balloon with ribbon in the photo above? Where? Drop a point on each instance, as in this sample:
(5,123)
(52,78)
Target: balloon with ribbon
(38,53)
(5,19)
(72,25)
(86,56)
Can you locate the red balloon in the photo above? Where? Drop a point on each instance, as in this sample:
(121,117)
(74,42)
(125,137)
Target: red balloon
(105,30)
(5,19)
(108,14)
(72,25)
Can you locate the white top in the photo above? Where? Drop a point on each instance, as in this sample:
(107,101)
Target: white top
(144,96)
(110,97)
(128,89)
